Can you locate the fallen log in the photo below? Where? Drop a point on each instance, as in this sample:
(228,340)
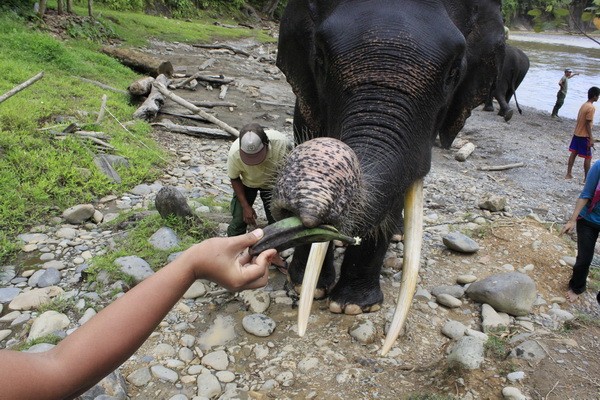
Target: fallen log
(192,130)
(140,61)
(219,80)
(141,87)
(188,116)
(162,88)
(21,86)
(153,103)
(222,46)
(206,64)
(101,85)
(274,103)
(501,167)
(212,104)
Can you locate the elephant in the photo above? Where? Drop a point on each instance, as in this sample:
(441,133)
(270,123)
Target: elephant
(514,69)
(376,81)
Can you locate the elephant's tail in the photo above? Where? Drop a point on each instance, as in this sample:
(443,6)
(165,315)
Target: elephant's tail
(517,103)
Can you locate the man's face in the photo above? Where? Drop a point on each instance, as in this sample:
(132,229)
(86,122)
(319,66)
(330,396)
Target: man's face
(568,74)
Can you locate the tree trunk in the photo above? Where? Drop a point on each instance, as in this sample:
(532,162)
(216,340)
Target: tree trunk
(90,8)
(139,61)
(42,10)
(70,6)
(270,8)
(59,7)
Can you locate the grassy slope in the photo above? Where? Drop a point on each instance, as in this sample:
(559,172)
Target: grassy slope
(39,175)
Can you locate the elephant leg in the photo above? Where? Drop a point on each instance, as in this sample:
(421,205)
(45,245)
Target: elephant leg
(298,265)
(489,101)
(358,288)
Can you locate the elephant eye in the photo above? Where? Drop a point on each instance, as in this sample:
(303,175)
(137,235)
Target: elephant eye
(453,76)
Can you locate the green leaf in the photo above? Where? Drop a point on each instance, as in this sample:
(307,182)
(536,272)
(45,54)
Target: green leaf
(561,12)
(534,13)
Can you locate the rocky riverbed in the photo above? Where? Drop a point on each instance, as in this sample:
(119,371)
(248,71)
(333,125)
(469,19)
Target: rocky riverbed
(215,344)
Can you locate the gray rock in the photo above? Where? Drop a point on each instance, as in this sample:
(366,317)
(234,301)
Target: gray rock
(456,291)
(513,393)
(134,266)
(257,300)
(164,373)
(454,329)
(493,320)
(111,387)
(7,273)
(208,385)
(467,353)
(493,203)
(216,360)
(196,290)
(141,190)
(258,325)
(47,323)
(458,242)
(170,201)
(516,376)
(7,294)
(363,331)
(529,350)
(78,214)
(512,292)
(164,239)
(140,377)
(448,301)
(49,277)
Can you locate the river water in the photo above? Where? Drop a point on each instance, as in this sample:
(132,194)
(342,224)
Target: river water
(549,55)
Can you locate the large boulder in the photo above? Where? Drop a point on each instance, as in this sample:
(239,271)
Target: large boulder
(512,292)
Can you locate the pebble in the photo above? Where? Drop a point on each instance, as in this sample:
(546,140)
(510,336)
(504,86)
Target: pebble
(258,325)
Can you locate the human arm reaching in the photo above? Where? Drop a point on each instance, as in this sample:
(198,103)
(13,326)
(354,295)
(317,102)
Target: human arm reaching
(572,222)
(108,339)
(248,210)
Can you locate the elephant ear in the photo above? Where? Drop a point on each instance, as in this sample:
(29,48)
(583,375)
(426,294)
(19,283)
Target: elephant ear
(295,57)
(481,24)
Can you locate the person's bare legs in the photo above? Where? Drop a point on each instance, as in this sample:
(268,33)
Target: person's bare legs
(572,296)
(586,167)
(570,165)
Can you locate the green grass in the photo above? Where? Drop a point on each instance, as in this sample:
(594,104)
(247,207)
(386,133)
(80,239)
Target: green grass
(39,175)
(135,242)
(50,339)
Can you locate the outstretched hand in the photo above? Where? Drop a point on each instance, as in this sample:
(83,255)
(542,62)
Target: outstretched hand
(229,264)
(569,226)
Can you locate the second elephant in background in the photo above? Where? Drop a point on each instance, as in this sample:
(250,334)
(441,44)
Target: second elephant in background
(514,69)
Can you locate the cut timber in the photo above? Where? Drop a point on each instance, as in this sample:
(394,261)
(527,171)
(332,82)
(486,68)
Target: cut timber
(22,86)
(192,130)
(139,61)
(188,116)
(223,92)
(501,167)
(153,103)
(219,80)
(211,104)
(141,87)
(162,88)
(101,85)
(222,46)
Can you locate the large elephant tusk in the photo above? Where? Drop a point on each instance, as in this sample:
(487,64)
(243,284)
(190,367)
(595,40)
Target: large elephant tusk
(413,239)
(309,283)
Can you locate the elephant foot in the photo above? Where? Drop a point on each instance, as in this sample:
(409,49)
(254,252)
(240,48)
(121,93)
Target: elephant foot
(355,300)
(488,108)
(352,309)
(320,293)
(508,115)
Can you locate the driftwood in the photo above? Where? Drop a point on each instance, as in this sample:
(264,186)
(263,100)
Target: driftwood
(192,130)
(21,86)
(141,87)
(223,92)
(162,88)
(274,103)
(222,46)
(212,104)
(139,61)
(501,167)
(188,116)
(206,64)
(219,80)
(101,85)
(153,103)
(102,109)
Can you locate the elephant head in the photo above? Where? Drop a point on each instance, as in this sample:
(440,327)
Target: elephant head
(375,82)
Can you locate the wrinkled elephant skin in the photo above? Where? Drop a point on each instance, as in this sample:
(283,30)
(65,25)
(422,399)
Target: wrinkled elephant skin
(381,79)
